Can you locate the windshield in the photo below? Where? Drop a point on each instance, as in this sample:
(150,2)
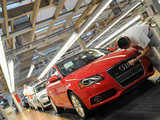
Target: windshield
(77,61)
(40,87)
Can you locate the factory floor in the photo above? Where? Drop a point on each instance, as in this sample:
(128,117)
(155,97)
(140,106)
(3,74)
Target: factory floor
(36,115)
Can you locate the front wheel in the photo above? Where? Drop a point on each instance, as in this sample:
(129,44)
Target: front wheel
(41,106)
(78,106)
(55,108)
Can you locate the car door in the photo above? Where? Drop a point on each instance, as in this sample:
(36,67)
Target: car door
(62,91)
(58,89)
(54,87)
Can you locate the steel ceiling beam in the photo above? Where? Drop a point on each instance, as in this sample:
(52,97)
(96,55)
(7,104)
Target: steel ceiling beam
(56,14)
(91,7)
(17,33)
(34,17)
(41,24)
(5,14)
(25,10)
(11,1)
(40,42)
(13,38)
(69,18)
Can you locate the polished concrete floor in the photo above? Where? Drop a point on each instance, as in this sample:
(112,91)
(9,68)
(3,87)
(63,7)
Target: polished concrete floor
(35,115)
(140,103)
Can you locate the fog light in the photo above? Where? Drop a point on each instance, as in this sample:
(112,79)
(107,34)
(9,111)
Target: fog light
(97,99)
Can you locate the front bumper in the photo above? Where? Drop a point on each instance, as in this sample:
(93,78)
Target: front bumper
(45,102)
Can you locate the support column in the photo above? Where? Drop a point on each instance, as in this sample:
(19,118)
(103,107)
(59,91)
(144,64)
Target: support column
(5,15)
(8,72)
(19,107)
(13,38)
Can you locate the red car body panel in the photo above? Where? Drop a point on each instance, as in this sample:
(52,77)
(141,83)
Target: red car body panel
(57,90)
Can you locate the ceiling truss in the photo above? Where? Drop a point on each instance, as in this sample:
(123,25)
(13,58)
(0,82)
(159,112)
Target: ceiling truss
(52,35)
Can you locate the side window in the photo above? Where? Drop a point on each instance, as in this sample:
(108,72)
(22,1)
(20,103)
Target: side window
(52,72)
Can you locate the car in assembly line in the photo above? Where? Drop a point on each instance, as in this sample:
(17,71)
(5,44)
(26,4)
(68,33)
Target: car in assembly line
(40,97)
(94,77)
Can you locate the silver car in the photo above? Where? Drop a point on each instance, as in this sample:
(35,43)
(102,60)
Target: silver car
(40,97)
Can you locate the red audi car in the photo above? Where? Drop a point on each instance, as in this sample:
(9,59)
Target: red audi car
(94,77)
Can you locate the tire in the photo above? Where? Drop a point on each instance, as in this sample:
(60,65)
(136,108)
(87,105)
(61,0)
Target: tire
(26,105)
(41,106)
(55,108)
(78,105)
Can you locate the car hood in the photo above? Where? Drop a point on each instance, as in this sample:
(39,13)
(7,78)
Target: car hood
(102,64)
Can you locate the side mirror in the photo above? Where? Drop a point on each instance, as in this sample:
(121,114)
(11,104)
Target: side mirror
(53,78)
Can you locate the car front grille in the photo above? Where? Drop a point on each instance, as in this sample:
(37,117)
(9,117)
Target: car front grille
(103,96)
(125,74)
(46,103)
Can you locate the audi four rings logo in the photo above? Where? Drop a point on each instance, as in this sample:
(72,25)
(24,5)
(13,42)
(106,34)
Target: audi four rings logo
(124,67)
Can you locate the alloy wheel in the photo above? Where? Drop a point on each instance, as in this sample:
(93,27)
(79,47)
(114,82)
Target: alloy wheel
(77,105)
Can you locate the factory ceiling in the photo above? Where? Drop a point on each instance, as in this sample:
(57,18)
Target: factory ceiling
(32,31)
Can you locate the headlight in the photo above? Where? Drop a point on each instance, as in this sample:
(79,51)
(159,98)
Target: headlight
(90,81)
(2,102)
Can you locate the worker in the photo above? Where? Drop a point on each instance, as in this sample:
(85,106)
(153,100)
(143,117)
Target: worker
(28,91)
(143,38)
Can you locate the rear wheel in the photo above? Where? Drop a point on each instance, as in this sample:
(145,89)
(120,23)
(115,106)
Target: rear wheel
(78,106)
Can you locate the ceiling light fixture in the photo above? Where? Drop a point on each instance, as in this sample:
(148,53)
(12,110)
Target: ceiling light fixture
(94,16)
(30,70)
(11,71)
